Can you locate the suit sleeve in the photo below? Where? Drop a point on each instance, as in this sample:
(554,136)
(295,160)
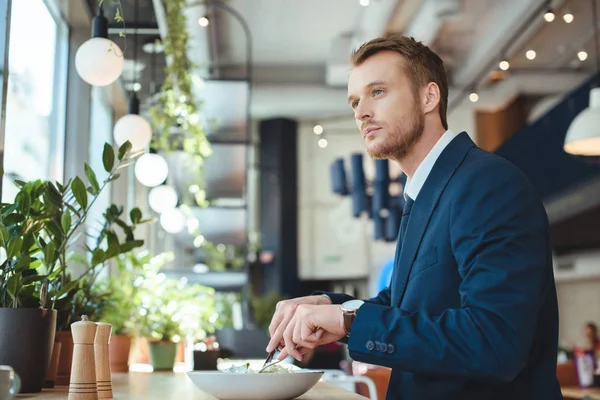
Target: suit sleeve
(499,237)
(382,298)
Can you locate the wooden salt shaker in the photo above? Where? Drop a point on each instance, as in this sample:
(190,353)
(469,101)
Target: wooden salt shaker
(83,370)
(103,377)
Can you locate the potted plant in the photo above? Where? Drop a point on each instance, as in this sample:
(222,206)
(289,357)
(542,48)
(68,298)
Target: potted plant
(36,230)
(171,311)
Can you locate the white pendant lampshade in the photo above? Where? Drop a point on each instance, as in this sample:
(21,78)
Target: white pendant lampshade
(133,127)
(173,220)
(151,170)
(99,61)
(162,198)
(583,136)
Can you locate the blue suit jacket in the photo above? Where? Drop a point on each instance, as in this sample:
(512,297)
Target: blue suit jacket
(471,310)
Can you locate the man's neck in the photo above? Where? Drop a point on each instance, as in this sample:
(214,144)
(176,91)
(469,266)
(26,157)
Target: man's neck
(410,163)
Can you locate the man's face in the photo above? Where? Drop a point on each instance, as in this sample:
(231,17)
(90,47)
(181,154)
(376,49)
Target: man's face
(388,115)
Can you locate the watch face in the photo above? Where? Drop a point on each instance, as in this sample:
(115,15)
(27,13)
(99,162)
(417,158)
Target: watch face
(352,305)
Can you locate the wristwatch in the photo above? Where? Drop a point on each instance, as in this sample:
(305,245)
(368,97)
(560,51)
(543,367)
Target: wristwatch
(349,310)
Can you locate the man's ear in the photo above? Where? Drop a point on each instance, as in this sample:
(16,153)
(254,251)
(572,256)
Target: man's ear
(431,97)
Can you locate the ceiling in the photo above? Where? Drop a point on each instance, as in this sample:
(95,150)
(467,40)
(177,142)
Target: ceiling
(300,62)
(301,55)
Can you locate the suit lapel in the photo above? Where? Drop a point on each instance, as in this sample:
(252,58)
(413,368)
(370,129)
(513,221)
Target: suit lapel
(426,202)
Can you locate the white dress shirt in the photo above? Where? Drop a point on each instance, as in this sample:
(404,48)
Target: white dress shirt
(413,186)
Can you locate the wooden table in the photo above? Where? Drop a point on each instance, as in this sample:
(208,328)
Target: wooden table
(177,386)
(580,393)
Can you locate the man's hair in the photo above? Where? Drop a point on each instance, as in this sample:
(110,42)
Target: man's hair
(420,62)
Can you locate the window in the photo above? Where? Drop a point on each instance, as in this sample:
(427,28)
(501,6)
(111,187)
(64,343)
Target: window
(101,127)
(36,95)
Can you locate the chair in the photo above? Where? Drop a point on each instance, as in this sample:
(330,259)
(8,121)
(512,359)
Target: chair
(349,382)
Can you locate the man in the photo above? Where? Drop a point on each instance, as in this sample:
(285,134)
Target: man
(471,309)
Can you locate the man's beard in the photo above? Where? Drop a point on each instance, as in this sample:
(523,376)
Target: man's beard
(402,139)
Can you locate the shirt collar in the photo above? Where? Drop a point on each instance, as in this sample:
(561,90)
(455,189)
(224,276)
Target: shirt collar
(413,186)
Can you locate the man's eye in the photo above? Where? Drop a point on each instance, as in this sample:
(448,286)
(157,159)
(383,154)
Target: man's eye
(377,91)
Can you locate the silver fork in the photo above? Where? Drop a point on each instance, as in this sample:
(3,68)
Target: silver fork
(269,365)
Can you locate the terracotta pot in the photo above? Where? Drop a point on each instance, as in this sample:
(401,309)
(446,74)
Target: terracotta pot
(63,374)
(180,355)
(119,348)
(142,352)
(53,367)
(26,342)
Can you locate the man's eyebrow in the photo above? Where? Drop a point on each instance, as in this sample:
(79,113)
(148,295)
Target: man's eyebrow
(370,85)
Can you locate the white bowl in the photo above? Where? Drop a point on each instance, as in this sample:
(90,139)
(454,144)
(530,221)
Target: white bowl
(252,386)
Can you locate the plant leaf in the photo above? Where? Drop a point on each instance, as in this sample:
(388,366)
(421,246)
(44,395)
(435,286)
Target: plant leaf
(92,178)
(3,235)
(108,157)
(55,273)
(135,215)
(98,257)
(66,289)
(124,149)
(49,252)
(13,284)
(130,245)
(66,221)
(114,177)
(24,201)
(79,192)
(14,247)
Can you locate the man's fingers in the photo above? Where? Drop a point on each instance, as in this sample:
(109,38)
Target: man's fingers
(289,341)
(282,355)
(281,310)
(277,335)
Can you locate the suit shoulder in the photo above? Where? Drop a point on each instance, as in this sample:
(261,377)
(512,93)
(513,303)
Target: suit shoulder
(482,166)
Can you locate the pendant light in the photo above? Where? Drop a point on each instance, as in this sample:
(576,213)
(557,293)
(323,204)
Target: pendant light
(132,126)
(583,135)
(99,61)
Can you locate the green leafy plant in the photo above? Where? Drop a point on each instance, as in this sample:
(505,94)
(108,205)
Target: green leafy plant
(263,308)
(172,309)
(175,116)
(115,238)
(39,226)
(122,303)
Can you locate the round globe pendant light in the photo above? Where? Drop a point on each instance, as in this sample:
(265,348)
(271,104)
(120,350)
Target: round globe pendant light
(99,61)
(173,220)
(151,169)
(133,127)
(162,198)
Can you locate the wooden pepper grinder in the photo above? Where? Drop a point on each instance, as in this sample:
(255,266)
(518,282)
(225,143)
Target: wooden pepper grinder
(83,370)
(103,377)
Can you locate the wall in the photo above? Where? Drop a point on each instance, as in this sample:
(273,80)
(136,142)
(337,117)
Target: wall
(462,118)
(331,241)
(578,302)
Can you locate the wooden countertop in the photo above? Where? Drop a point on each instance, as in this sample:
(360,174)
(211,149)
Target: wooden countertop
(177,386)
(580,393)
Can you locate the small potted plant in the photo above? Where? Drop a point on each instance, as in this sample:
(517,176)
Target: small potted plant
(172,310)
(36,230)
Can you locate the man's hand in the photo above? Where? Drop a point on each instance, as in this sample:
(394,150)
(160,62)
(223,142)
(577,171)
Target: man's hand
(284,313)
(312,326)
